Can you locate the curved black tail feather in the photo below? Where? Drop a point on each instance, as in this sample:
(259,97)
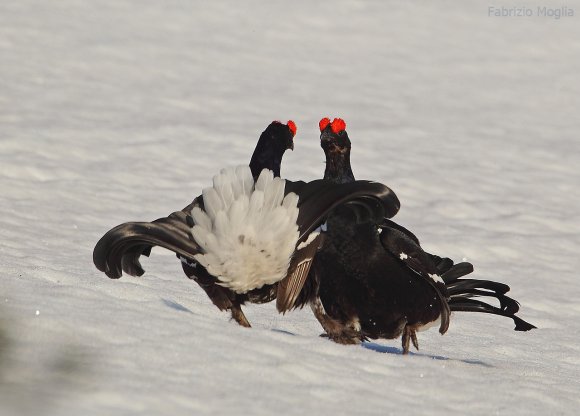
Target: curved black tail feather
(464,304)
(507,304)
(120,248)
(459,285)
(450,272)
(465,294)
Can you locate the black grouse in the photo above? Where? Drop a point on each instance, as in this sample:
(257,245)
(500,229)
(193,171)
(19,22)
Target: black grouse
(268,154)
(373,280)
(249,237)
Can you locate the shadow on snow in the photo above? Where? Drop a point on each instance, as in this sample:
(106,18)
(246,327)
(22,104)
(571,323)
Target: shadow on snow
(385,349)
(174,305)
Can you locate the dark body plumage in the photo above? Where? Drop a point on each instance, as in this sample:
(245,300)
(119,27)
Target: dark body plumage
(363,286)
(373,280)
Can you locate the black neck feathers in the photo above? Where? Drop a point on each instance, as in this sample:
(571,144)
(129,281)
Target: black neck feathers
(338,168)
(270,149)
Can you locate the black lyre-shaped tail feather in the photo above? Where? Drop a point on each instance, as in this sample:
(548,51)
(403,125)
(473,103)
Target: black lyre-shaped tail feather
(466,304)
(450,271)
(120,248)
(468,295)
(484,289)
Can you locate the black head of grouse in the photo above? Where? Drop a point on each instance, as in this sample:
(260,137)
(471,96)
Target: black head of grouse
(271,146)
(336,145)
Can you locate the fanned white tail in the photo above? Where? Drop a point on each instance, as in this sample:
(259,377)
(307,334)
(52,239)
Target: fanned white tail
(248,230)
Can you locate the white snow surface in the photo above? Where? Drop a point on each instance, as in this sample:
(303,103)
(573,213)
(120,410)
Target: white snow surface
(120,110)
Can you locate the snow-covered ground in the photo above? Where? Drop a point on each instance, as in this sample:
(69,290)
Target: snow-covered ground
(122,110)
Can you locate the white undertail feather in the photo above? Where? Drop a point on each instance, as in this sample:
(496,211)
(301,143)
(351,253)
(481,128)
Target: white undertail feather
(248,231)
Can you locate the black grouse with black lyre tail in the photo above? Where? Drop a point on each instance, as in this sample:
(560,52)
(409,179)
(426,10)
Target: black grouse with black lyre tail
(373,279)
(249,237)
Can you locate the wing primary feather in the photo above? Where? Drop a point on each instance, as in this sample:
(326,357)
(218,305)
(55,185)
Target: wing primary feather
(289,288)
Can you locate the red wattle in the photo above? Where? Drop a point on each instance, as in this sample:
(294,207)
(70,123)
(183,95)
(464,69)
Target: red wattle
(338,125)
(292,126)
(323,123)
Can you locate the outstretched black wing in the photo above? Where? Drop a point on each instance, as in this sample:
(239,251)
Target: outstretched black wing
(318,198)
(370,201)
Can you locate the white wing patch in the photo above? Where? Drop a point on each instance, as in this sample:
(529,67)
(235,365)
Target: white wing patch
(312,236)
(403,256)
(436,278)
(189,263)
(247,230)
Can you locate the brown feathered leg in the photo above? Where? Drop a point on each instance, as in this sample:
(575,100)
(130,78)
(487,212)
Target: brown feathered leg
(223,298)
(409,335)
(335,330)
(239,317)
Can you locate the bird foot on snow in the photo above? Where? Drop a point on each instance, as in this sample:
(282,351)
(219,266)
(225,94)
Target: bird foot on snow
(345,338)
(239,317)
(409,335)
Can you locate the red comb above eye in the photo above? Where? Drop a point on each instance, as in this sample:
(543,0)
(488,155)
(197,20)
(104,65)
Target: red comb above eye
(338,125)
(292,126)
(323,123)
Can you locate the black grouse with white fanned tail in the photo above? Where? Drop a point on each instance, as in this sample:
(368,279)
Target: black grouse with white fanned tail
(113,254)
(375,281)
(245,237)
